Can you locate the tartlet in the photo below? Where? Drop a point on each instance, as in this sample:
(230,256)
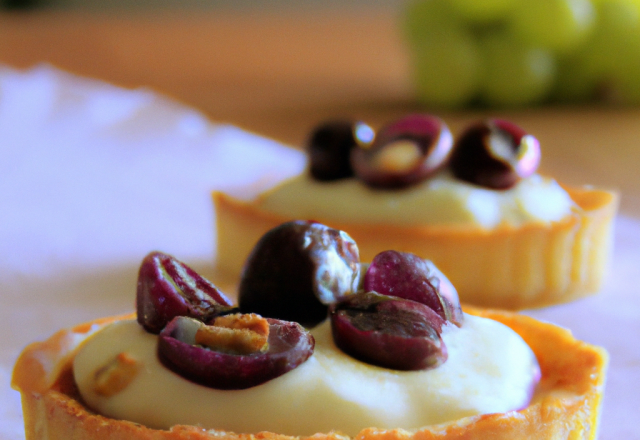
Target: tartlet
(508,266)
(305,293)
(567,405)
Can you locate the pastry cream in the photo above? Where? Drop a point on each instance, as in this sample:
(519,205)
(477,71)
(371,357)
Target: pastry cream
(490,370)
(440,200)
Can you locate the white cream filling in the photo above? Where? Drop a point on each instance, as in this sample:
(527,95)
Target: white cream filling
(490,370)
(440,200)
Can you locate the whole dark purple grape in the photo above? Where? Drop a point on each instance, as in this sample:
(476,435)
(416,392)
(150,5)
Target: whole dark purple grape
(408,276)
(404,152)
(495,153)
(289,345)
(296,270)
(389,332)
(168,288)
(330,145)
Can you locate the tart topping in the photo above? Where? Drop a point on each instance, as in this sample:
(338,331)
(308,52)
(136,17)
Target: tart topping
(330,147)
(169,288)
(496,154)
(116,375)
(235,334)
(389,332)
(179,349)
(404,153)
(296,270)
(493,153)
(408,276)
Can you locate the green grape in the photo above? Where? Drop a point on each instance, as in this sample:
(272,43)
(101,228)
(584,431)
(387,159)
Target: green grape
(625,82)
(482,11)
(612,54)
(444,54)
(424,17)
(446,68)
(515,74)
(574,82)
(558,25)
(618,22)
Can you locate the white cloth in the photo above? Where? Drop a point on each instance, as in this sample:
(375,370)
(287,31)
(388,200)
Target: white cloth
(93,177)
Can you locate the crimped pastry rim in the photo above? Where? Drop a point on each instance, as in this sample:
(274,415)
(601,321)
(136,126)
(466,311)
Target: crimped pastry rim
(573,375)
(586,198)
(535,265)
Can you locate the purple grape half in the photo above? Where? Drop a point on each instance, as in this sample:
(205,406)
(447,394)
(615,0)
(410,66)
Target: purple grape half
(329,148)
(495,153)
(388,332)
(168,288)
(408,276)
(289,346)
(430,138)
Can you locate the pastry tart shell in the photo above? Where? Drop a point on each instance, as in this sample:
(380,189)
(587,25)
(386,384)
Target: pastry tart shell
(508,267)
(566,405)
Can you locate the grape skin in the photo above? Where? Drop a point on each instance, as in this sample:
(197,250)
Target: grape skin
(523,52)
(446,57)
(618,69)
(515,74)
(559,25)
(475,11)
(447,70)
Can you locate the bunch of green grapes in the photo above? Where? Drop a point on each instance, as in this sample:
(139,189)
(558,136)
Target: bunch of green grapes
(524,52)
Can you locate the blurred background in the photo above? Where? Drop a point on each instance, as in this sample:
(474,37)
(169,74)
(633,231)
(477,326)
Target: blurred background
(136,4)
(568,71)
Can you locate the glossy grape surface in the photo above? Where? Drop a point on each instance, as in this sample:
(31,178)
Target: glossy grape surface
(289,346)
(329,148)
(408,276)
(388,332)
(495,153)
(405,152)
(168,288)
(296,270)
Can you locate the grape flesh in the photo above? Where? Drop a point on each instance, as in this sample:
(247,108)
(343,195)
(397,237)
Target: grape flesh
(289,346)
(408,276)
(388,332)
(168,288)
(495,153)
(429,141)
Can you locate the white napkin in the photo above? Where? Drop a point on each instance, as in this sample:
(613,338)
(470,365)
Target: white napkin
(93,177)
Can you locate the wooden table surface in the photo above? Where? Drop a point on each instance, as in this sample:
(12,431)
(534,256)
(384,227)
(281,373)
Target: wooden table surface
(280,72)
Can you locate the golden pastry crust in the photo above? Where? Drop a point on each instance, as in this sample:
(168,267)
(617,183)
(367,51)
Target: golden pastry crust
(566,405)
(513,268)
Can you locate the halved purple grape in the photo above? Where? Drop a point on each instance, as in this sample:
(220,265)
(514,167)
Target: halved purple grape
(330,145)
(495,153)
(296,270)
(388,332)
(408,276)
(289,346)
(404,152)
(168,288)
